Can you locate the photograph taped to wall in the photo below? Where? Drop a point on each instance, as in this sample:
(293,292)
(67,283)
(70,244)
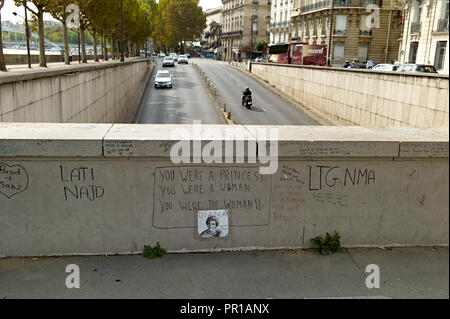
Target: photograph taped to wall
(213,223)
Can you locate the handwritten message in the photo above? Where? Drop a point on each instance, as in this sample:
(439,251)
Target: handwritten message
(179,192)
(13,180)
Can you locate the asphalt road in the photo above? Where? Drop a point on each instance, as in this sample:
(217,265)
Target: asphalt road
(404,273)
(268,109)
(186,102)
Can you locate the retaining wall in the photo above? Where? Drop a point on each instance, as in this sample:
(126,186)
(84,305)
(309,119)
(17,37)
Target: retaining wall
(361,97)
(98,93)
(74,189)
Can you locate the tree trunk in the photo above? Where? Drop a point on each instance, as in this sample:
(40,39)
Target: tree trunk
(113,47)
(42,59)
(2,56)
(66,44)
(94,36)
(129,49)
(83,44)
(105,49)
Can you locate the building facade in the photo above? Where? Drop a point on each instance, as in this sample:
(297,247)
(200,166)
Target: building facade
(280,22)
(351,29)
(425,33)
(212,15)
(243,23)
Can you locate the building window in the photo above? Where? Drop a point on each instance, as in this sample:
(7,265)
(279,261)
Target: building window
(439,58)
(363,49)
(341,24)
(413,52)
(419,10)
(338,51)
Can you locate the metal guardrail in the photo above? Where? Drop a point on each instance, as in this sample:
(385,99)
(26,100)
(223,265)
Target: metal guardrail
(340,32)
(365,32)
(326,4)
(239,32)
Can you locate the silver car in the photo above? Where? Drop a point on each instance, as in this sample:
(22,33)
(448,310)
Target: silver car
(168,62)
(163,79)
(183,59)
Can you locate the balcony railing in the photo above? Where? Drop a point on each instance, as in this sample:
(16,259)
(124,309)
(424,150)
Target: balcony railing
(356,3)
(415,27)
(340,32)
(442,25)
(254,32)
(316,6)
(326,4)
(239,32)
(365,32)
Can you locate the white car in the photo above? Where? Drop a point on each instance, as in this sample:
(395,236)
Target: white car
(183,59)
(385,67)
(174,56)
(162,55)
(168,62)
(163,79)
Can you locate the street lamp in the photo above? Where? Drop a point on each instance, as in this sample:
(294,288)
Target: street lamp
(122,58)
(27,34)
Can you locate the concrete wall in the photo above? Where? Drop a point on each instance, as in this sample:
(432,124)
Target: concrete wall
(70,189)
(360,97)
(79,94)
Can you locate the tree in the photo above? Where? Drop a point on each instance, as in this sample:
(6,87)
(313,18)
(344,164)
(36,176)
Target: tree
(262,45)
(2,56)
(41,7)
(179,21)
(58,10)
(215,29)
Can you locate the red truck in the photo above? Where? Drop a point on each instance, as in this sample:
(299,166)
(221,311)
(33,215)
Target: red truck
(298,53)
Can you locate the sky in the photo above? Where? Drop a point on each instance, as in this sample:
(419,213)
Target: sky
(209,4)
(9,8)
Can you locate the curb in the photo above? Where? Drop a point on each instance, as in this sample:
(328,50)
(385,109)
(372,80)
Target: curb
(227,117)
(133,112)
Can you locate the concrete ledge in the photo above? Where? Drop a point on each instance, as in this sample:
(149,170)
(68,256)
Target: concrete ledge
(52,140)
(128,140)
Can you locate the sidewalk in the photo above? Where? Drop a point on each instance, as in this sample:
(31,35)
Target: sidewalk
(404,273)
(34,67)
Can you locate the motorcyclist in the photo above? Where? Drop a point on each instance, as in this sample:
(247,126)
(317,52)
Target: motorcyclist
(246,93)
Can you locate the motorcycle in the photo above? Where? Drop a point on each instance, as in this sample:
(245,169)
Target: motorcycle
(248,102)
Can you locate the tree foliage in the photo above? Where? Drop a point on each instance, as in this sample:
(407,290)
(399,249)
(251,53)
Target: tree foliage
(178,21)
(262,45)
(170,22)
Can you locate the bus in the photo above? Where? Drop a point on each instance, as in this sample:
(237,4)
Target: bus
(298,53)
(279,53)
